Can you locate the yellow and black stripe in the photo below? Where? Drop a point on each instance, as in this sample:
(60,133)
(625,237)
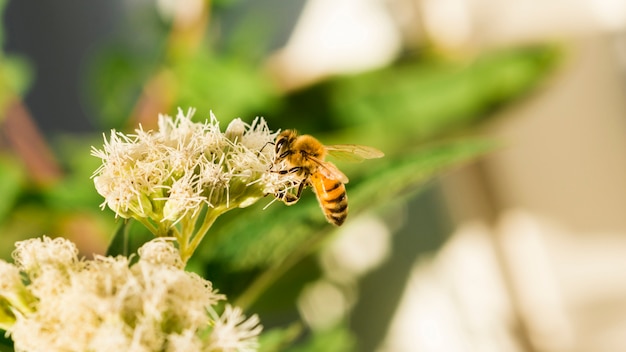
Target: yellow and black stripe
(332,197)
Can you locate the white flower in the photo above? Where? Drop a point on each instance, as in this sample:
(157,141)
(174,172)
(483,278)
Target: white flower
(159,251)
(233,332)
(11,279)
(184,342)
(184,196)
(37,254)
(14,297)
(170,174)
(184,175)
(109,304)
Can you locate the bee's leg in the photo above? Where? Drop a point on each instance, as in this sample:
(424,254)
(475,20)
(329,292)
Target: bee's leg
(293,170)
(286,197)
(290,199)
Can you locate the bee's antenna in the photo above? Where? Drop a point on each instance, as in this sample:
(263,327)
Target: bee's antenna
(265,145)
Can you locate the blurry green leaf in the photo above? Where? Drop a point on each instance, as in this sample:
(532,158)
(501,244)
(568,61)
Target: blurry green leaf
(410,102)
(128,238)
(118,71)
(16,73)
(224,3)
(76,191)
(258,246)
(6,344)
(337,339)
(228,86)
(3,4)
(278,339)
(11,176)
(278,300)
(116,80)
(404,175)
(26,219)
(120,243)
(433,97)
(15,78)
(269,236)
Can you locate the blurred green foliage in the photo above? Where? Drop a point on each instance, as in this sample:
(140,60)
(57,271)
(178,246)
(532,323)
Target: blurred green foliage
(16,73)
(415,101)
(424,114)
(11,178)
(6,344)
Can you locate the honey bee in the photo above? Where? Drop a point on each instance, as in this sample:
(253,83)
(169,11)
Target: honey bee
(304,156)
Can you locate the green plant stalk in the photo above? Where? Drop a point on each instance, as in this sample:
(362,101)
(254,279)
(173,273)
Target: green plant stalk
(145,222)
(190,241)
(269,276)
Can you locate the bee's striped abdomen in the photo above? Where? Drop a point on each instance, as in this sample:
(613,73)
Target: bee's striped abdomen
(332,197)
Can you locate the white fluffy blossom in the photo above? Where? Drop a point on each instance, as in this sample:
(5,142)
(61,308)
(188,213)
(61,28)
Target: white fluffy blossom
(169,174)
(233,332)
(184,175)
(109,304)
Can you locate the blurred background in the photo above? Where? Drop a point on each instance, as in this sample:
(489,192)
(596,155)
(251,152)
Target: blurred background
(496,221)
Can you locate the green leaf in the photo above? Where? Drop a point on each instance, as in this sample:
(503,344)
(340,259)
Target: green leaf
(415,101)
(6,344)
(115,81)
(129,236)
(120,242)
(270,236)
(230,87)
(278,339)
(3,4)
(15,72)
(336,338)
(76,191)
(249,251)
(11,176)
(16,76)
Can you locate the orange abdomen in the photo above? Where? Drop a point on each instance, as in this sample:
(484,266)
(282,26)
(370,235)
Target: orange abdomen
(332,197)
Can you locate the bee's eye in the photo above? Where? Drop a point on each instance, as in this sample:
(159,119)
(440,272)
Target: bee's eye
(279,144)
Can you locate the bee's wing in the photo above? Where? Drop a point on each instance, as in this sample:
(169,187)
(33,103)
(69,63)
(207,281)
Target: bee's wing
(329,170)
(353,152)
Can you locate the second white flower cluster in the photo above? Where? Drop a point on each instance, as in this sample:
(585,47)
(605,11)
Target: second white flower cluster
(109,304)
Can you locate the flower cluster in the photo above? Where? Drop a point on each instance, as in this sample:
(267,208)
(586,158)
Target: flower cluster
(168,174)
(167,178)
(51,300)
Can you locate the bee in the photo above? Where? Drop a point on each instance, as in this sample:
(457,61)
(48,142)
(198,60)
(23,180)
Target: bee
(304,156)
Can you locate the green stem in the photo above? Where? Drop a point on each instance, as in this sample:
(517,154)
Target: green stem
(189,248)
(155,231)
(268,277)
(186,231)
